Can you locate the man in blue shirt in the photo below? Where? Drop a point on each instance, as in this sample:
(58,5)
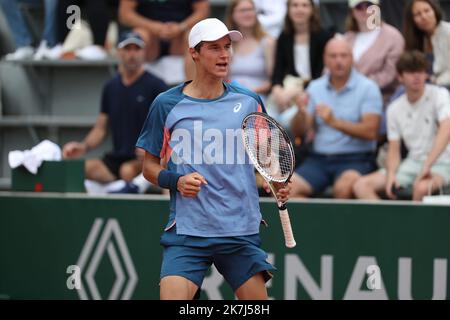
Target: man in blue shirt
(194,128)
(125,103)
(344,112)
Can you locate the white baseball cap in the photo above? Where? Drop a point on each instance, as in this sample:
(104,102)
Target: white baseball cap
(354,3)
(211,29)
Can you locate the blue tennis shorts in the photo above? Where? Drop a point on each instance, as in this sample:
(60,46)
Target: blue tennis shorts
(236,258)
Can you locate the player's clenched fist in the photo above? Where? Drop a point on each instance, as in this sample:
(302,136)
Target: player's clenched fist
(189,185)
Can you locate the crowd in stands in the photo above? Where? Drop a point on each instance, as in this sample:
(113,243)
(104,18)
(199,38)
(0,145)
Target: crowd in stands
(344,96)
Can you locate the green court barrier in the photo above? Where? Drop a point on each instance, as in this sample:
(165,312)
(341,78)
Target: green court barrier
(55,246)
(52,176)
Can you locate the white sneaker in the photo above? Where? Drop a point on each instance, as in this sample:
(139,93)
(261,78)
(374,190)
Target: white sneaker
(41,52)
(21,53)
(91,53)
(54,53)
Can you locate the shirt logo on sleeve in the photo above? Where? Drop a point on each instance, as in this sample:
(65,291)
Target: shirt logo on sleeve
(237,107)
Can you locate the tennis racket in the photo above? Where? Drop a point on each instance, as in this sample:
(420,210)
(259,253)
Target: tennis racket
(270,150)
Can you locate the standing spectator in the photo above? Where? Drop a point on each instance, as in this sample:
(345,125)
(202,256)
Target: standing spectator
(299,53)
(426,31)
(376,48)
(21,33)
(344,107)
(253,56)
(125,104)
(421,118)
(164,25)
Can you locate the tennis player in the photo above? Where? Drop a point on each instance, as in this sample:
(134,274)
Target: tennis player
(214,209)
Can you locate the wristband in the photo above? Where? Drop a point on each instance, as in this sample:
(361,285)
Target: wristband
(168,179)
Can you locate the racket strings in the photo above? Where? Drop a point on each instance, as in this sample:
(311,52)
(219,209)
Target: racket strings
(268,146)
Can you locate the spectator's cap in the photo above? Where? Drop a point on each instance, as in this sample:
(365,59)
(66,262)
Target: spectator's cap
(354,3)
(211,29)
(127,38)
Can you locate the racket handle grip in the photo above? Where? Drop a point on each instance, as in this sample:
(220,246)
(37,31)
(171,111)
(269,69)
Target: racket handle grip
(287,228)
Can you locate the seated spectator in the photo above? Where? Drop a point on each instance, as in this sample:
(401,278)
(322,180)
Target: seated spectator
(299,53)
(421,118)
(99,14)
(164,25)
(253,57)
(344,108)
(425,30)
(376,45)
(22,36)
(125,103)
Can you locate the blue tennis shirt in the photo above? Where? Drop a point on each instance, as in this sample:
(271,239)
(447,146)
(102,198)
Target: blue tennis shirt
(204,136)
(360,96)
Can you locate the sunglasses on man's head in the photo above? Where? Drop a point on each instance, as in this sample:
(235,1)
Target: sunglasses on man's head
(363,5)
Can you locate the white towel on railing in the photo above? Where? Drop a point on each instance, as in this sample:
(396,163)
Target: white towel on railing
(32,159)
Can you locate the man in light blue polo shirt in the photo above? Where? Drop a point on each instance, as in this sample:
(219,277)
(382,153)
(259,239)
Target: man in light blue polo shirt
(344,110)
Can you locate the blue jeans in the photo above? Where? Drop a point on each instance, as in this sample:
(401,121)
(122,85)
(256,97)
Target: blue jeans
(19,27)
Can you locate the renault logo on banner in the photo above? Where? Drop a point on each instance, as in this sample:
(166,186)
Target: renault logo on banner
(92,254)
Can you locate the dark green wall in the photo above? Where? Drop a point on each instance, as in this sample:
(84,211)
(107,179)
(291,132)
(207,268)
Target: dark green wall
(40,236)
